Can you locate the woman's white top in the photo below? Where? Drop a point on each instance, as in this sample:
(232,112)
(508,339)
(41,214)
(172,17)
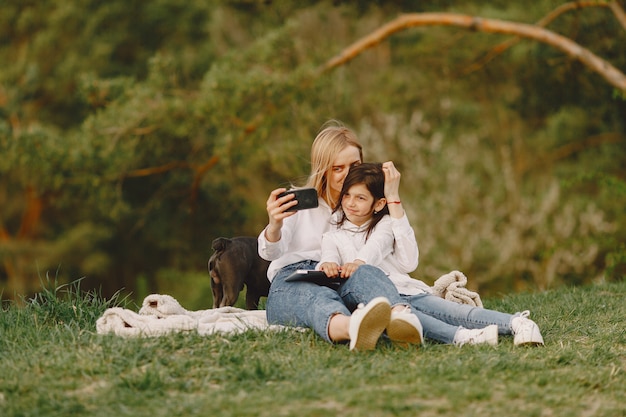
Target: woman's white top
(300,240)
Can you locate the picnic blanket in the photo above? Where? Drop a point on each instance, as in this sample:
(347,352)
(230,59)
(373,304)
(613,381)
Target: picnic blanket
(162,314)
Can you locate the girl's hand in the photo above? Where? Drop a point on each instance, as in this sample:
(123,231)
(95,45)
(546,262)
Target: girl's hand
(392,193)
(331,269)
(277,212)
(392,181)
(348,269)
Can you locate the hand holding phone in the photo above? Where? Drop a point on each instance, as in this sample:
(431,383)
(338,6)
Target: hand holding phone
(306,198)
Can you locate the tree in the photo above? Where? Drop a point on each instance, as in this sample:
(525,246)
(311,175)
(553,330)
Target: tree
(125,152)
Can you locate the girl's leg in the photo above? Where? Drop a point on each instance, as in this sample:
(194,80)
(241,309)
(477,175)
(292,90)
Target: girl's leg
(456,314)
(367,283)
(302,304)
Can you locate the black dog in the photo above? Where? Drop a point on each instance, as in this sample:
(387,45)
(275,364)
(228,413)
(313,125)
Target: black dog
(236,262)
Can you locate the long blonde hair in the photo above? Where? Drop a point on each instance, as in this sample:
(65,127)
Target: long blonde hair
(332,139)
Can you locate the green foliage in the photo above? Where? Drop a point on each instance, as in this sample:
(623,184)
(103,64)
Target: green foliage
(57,306)
(50,46)
(59,366)
(134,134)
(67,305)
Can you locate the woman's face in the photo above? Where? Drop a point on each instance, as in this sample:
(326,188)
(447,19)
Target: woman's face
(349,156)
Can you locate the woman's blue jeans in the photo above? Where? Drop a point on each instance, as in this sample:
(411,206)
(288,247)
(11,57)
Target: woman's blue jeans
(303,304)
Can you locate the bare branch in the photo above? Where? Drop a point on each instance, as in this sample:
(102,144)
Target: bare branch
(543,22)
(611,74)
(32,214)
(566,7)
(580,145)
(199,174)
(144,172)
(619,13)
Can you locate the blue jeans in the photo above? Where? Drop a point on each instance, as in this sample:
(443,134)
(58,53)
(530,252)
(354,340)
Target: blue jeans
(303,304)
(441,318)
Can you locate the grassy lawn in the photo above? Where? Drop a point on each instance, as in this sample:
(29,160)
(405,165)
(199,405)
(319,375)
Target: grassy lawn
(52,363)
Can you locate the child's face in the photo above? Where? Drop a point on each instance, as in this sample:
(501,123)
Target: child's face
(358,204)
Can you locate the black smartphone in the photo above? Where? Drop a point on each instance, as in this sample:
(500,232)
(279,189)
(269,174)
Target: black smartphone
(307,198)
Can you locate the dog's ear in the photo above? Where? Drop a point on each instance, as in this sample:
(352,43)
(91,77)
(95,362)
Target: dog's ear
(220,244)
(211,263)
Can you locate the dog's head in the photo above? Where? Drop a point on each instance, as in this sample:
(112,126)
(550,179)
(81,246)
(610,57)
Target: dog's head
(220,244)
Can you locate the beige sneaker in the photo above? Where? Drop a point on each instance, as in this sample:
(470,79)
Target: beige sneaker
(525,331)
(368,322)
(488,335)
(405,328)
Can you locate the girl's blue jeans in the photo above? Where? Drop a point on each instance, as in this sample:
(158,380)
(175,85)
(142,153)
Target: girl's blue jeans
(304,304)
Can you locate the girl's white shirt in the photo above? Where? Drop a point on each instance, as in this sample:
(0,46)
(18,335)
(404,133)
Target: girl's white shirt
(391,247)
(300,240)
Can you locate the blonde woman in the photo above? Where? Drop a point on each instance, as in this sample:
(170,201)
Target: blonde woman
(292,241)
(360,309)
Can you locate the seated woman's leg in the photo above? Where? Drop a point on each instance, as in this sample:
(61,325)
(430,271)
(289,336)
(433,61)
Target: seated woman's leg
(302,304)
(436,329)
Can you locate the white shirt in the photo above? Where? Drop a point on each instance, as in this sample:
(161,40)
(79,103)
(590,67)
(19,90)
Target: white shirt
(300,240)
(391,246)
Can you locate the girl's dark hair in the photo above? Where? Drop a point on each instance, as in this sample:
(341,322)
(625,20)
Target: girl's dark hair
(372,176)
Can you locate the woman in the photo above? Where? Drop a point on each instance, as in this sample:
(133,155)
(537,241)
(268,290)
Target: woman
(366,234)
(292,241)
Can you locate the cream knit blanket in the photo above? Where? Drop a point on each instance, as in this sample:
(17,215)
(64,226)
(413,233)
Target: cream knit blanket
(162,314)
(451,287)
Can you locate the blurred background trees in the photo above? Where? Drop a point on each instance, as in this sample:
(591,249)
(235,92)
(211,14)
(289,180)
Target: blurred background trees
(132,135)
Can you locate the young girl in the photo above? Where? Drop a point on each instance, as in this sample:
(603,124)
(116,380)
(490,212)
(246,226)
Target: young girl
(367,234)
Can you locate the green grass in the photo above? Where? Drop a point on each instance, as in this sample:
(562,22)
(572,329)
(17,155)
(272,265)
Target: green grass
(52,363)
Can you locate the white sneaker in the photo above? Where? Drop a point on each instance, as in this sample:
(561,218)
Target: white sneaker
(405,328)
(525,331)
(368,322)
(488,335)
